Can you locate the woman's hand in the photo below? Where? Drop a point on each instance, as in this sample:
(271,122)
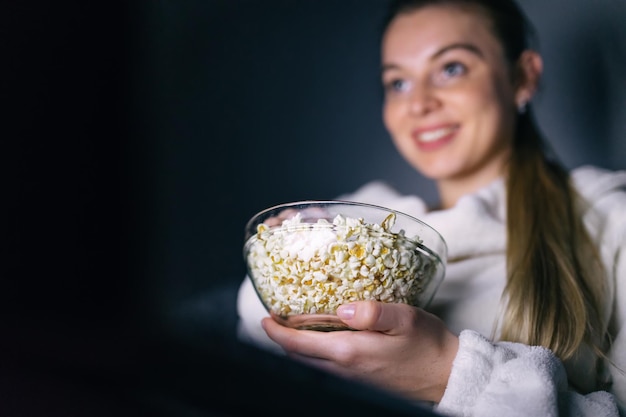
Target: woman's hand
(398,347)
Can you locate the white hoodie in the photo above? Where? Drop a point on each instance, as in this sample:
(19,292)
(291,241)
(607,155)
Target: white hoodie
(503,379)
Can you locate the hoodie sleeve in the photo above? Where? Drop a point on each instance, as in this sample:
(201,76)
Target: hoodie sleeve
(606,192)
(513,379)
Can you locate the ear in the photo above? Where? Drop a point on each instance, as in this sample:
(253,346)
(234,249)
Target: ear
(529,69)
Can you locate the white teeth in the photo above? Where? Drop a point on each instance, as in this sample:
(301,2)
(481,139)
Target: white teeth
(433,135)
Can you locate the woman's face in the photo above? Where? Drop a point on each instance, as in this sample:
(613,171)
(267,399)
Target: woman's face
(449,97)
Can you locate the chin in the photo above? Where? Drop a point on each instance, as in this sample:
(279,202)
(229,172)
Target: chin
(435,173)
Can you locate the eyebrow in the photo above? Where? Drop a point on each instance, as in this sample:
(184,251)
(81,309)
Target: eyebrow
(466,46)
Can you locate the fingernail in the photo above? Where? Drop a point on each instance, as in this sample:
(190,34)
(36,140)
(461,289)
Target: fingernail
(345,311)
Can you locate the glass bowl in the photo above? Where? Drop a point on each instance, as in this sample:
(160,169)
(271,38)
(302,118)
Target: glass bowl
(306,258)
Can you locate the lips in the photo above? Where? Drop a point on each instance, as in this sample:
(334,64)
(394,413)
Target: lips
(434,137)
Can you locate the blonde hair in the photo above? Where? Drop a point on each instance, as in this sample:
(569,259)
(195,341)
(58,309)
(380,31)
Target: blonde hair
(555,280)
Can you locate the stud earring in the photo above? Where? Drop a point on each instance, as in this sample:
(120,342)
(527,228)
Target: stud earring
(522,107)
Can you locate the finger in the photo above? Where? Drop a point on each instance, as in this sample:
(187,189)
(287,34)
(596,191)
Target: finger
(390,318)
(302,342)
(280,218)
(287,214)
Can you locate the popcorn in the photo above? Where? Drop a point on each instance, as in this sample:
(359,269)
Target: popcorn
(309,268)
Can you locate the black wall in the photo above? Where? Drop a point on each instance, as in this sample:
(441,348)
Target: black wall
(65,135)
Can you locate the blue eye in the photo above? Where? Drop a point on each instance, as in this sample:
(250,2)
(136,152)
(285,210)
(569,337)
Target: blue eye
(454,69)
(397,85)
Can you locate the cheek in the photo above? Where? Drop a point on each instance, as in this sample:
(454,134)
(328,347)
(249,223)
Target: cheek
(486,106)
(480,96)
(392,119)
(499,113)
(391,116)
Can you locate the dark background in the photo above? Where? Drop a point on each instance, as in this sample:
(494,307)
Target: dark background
(138,137)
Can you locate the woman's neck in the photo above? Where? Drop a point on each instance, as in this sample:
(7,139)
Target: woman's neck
(451,190)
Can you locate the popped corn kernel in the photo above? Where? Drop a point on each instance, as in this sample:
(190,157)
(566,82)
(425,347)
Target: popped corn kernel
(308,268)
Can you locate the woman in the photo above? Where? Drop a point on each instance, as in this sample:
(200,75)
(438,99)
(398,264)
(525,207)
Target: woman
(530,317)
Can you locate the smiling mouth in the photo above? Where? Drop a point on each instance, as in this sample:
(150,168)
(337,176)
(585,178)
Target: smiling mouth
(434,135)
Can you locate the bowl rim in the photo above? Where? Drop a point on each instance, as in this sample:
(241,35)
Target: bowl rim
(253,219)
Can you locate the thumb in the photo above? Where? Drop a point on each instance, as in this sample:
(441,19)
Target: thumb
(377,316)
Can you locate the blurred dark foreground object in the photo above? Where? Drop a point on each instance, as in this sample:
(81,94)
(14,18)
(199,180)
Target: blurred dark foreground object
(60,372)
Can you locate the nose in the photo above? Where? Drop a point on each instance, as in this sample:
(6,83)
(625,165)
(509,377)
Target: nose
(423,100)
